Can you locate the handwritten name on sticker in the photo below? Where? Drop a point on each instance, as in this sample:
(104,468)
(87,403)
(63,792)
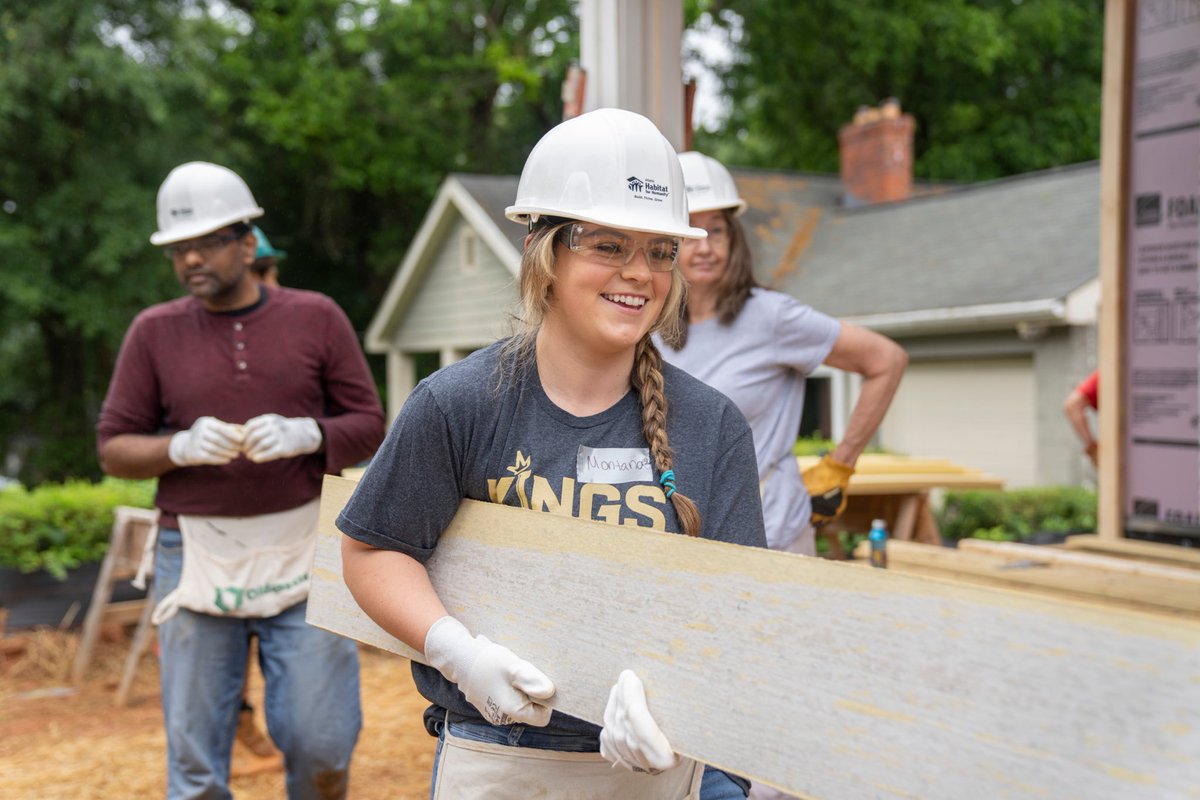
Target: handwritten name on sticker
(614,465)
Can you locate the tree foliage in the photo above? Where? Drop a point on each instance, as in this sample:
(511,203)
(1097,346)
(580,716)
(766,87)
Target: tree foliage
(86,129)
(343,117)
(997,87)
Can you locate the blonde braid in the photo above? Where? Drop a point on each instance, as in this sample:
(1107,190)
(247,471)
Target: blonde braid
(647,377)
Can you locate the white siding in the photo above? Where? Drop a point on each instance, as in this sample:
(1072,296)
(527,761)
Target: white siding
(458,306)
(976,412)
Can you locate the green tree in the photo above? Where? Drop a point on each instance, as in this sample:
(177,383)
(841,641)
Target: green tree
(997,87)
(90,111)
(360,109)
(344,118)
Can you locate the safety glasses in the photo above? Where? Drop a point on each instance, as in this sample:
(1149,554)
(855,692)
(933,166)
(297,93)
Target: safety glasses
(616,249)
(206,247)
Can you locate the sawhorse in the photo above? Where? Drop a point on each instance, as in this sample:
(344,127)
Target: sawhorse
(131,529)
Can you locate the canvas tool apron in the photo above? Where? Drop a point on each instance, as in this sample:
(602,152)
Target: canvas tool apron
(244,566)
(471,770)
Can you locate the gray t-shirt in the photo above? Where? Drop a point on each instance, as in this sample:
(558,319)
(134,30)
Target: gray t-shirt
(460,437)
(761,361)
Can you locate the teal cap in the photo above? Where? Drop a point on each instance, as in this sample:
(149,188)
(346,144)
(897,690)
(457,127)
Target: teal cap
(265,250)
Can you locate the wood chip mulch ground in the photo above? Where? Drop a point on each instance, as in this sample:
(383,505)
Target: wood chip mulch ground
(62,742)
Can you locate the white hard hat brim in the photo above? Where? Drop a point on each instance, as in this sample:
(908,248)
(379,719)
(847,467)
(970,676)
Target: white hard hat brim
(185,231)
(737,208)
(522,214)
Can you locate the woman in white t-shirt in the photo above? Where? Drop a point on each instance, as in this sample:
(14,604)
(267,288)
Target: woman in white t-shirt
(758,346)
(603,196)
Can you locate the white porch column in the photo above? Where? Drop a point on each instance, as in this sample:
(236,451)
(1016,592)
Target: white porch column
(451,355)
(632,52)
(401,380)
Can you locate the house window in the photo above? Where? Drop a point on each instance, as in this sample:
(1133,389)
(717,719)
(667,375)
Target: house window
(470,252)
(817,419)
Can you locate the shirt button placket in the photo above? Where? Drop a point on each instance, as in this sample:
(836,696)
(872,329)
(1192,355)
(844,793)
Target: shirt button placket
(239,346)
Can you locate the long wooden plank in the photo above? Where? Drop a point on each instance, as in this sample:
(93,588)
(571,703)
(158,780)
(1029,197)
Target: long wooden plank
(1000,581)
(904,484)
(823,679)
(1186,580)
(1173,555)
(884,474)
(871,463)
(1045,572)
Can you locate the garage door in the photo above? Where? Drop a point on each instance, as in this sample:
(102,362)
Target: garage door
(979,413)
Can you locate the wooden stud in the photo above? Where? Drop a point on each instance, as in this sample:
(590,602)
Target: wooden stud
(1134,548)
(1041,570)
(1116,98)
(1186,578)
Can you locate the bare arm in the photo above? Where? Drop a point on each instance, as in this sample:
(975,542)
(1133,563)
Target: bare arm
(1075,408)
(393,589)
(881,362)
(135,456)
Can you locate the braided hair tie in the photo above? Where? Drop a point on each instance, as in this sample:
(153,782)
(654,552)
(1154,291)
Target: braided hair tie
(668,482)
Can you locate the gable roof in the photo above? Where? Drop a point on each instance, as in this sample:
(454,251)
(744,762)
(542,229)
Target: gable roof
(996,252)
(1023,241)
(480,200)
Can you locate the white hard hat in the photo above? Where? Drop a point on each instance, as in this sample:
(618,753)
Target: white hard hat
(199,198)
(710,187)
(610,167)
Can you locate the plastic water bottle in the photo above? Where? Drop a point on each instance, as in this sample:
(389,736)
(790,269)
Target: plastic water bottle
(878,537)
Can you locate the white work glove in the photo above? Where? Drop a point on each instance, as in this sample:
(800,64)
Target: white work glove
(631,737)
(271,436)
(504,688)
(208,441)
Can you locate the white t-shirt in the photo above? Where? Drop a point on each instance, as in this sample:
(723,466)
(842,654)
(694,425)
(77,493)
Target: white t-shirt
(761,361)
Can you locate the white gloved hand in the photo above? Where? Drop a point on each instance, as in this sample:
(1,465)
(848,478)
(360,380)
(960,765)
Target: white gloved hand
(504,688)
(208,441)
(271,436)
(631,737)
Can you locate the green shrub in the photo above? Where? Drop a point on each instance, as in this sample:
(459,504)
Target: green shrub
(56,527)
(1014,515)
(816,446)
(813,447)
(847,539)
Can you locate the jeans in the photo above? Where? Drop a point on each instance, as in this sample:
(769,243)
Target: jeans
(311,699)
(715,785)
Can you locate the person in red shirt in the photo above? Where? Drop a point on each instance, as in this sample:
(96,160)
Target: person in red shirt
(1081,398)
(238,398)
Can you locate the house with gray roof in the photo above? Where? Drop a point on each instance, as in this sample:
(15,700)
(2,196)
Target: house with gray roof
(992,288)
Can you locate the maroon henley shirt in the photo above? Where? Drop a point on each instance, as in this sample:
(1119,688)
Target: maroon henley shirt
(296,355)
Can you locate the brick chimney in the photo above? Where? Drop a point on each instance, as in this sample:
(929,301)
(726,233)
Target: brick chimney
(876,154)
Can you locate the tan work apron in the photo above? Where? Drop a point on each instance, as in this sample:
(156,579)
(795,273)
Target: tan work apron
(244,566)
(471,770)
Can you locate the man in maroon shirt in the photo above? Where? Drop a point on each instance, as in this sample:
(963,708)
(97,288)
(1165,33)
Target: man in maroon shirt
(238,398)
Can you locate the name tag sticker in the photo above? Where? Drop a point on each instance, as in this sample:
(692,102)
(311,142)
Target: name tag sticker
(614,465)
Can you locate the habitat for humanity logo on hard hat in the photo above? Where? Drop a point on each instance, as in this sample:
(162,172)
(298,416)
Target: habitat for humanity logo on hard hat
(646,189)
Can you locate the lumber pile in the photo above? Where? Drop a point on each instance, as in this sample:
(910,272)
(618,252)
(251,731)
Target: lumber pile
(1159,586)
(1135,550)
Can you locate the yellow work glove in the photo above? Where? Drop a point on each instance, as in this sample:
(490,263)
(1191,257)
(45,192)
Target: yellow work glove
(826,483)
